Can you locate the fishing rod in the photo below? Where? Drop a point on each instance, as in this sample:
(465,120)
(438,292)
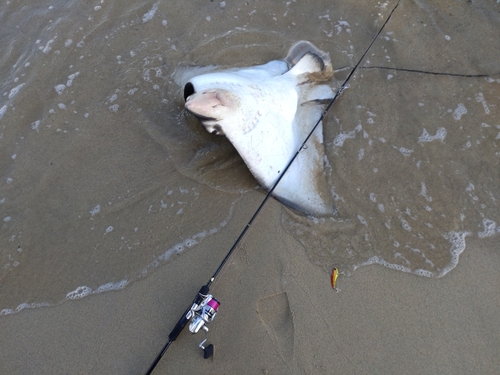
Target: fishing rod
(204,306)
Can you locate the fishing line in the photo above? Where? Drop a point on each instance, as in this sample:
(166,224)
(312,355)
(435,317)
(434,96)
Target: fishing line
(204,306)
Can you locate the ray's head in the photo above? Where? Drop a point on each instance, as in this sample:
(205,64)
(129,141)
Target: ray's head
(213,107)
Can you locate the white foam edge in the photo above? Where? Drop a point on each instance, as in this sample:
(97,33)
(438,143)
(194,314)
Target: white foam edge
(2,111)
(457,240)
(187,243)
(79,292)
(84,291)
(489,228)
(24,306)
(150,14)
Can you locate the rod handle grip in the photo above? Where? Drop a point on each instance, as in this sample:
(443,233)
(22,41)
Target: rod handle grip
(184,320)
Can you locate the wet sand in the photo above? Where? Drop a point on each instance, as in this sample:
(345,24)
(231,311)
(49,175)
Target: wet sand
(278,315)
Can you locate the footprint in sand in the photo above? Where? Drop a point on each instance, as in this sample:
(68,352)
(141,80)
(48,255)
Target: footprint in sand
(275,313)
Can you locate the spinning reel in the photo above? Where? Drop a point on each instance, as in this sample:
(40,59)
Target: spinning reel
(201,314)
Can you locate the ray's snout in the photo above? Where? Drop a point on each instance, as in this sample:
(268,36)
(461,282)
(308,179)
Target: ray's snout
(205,105)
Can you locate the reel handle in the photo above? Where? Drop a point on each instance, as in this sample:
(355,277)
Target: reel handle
(208,351)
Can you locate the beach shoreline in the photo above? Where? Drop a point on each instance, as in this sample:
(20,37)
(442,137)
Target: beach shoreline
(278,315)
(107,181)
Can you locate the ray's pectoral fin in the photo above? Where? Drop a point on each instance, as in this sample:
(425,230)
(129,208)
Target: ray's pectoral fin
(308,64)
(311,68)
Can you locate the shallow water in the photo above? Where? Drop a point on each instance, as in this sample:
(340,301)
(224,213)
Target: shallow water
(412,181)
(104,177)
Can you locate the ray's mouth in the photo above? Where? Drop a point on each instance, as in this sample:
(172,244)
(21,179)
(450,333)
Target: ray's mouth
(201,117)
